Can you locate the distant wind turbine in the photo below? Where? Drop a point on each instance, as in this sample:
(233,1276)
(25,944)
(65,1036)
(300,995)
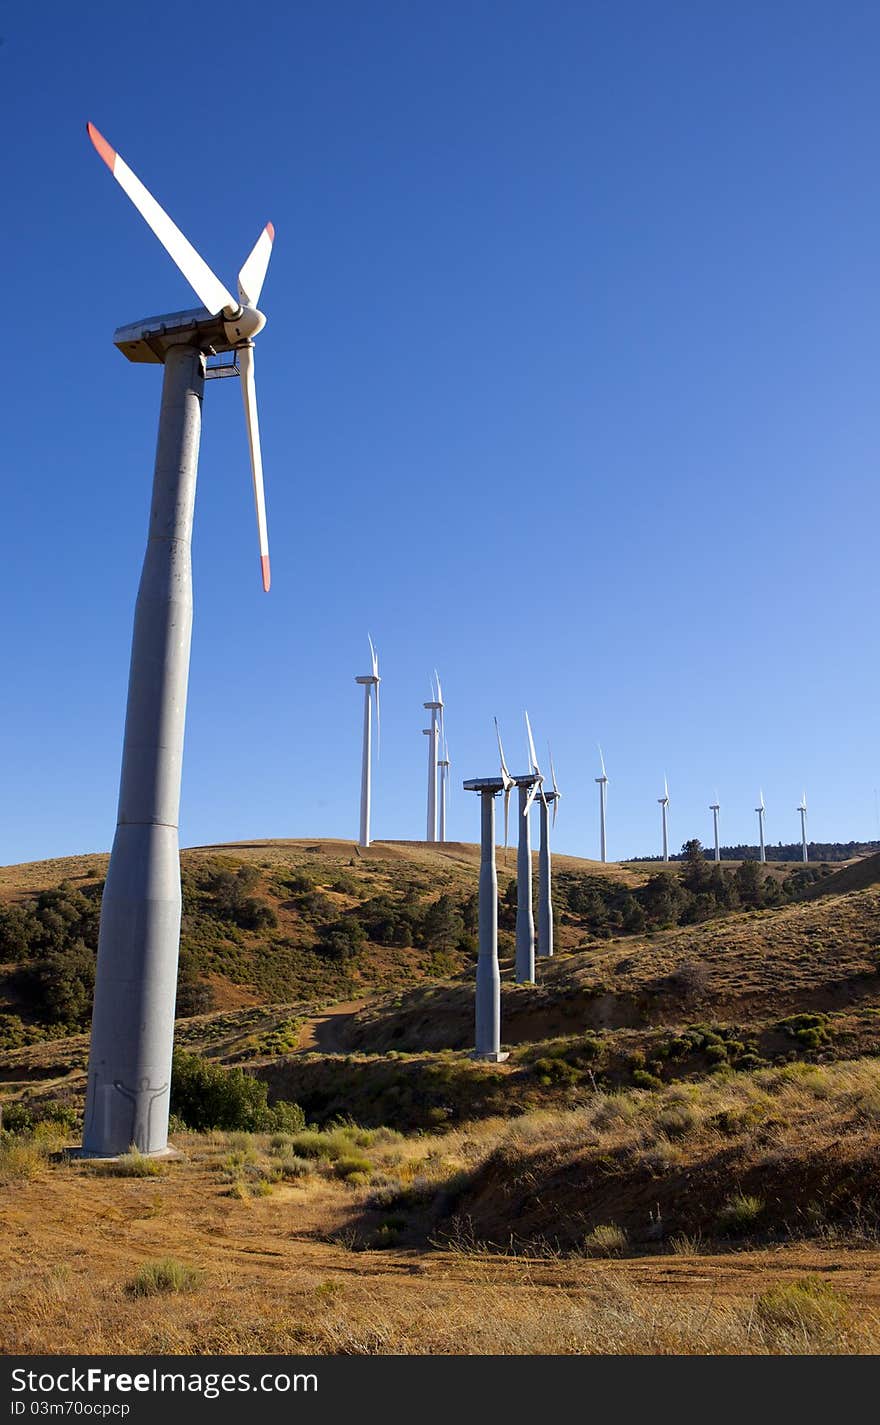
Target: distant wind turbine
(715,808)
(529,787)
(435,706)
(603,786)
(762,853)
(443,767)
(507,783)
(370,682)
(664,810)
(545,895)
(803,814)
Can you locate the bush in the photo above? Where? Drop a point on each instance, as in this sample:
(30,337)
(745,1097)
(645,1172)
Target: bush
(555,1071)
(348,1167)
(165,1275)
(739,1214)
(605,1240)
(808,1305)
(129,1165)
(204,1095)
(643,1080)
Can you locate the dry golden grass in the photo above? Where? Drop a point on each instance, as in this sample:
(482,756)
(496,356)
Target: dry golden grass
(278,1269)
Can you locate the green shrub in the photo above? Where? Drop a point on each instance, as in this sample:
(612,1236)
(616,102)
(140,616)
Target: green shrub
(605,1240)
(165,1275)
(643,1080)
(130,1165)
(677,1120)
(807,1304)
(555,1071)
(351,1166)
(739,1214)
(204,1096)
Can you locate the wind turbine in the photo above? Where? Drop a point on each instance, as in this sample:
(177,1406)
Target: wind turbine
(443,766)
(129,1075)
(545,896)
(370,682)
(507,783)
(803,814)
(529,787)
(603,786)
(435,707)
(715,808)
(762,854)
(488,989)
(664,810)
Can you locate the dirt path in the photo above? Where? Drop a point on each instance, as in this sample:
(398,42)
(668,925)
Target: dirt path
(322,1034)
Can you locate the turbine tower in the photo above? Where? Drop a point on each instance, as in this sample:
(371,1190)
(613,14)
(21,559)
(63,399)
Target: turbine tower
(664,811)
(487,1044)
(443,766)
(435,707)
(803,815)
(545,895)
(603,785)
(529,786)
(715,808)
(762,854)
(370,683)
(129,1074)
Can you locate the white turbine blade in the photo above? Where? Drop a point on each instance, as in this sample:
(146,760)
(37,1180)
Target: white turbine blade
(533,792)
(208,288)
(253,274)
(378,719)
(373,657)
(555,805)
(552,771)
(532,753)
(504,772)
(439,697)
(602,761)
(665,790)
(507,790)
(249,393)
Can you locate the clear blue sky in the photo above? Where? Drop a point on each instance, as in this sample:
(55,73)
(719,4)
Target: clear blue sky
(569,387)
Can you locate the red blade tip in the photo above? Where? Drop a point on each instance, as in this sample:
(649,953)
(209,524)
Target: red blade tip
(107,153)
(270,229)
(264,566)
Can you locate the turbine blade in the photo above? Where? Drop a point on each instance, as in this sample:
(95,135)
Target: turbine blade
(555,805)
(249,393)
(602,760)
(208,288)
(507,791)
(532,753)
(552,770)
(533,792)
(253,274)
(378,719)
(504,772)
(374,660)
(439,697)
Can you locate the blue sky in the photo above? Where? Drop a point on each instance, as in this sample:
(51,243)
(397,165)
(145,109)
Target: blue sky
(569,388)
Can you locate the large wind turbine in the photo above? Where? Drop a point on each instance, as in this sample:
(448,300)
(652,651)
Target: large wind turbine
(803,815)
(545,893)
(488,995)
(762,854)
(435,706)
(443,768)
(603,786)
(664,811)
(129,1076)
(529,786)
(715,808)
(370,682)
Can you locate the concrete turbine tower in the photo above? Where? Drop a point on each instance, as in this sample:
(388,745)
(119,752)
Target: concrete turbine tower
(529,786)
(664,812)
(370,683)
(715,808)
(762,854)
(488,997)
(802,809)
(435,706)
(545,892)
(129,1076)
(443,766)
(603,788)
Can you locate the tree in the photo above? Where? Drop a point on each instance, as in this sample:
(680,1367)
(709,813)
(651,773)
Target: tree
(443,924)
(694,871)
(749,883)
